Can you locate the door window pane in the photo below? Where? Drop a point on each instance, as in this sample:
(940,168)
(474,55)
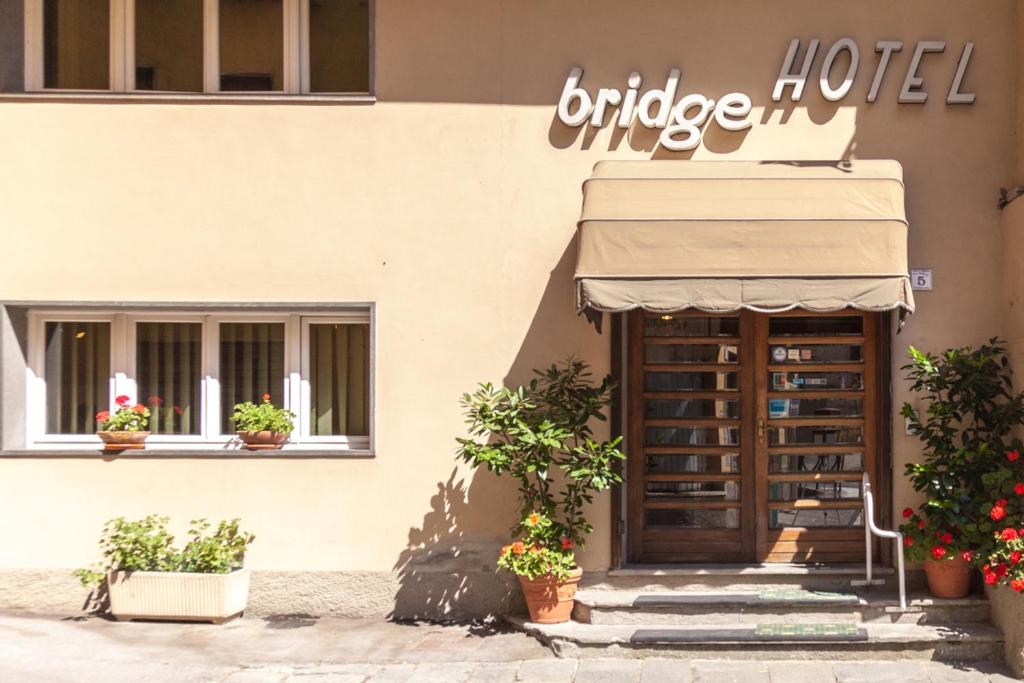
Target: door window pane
(693,490)
(816,381)
(339,379)
(816,518)
(816,353)
(779,408)
(251,45)
(845,462)
(693,519)
(169,45)
(669,408)
(692,436)
(675,464)
(691,353)
(168,364)
(339,45)
(821,490)
(691,326)
(817,326)
(690,381)
(817,435)
(76,44)
(77,372)
(251,364)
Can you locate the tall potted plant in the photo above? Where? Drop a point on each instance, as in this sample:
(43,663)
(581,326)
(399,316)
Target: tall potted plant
(541,435)
(971,474)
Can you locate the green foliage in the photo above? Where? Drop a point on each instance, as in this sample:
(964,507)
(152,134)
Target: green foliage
(971,462)
(265,417)
(541,435)
(146,545)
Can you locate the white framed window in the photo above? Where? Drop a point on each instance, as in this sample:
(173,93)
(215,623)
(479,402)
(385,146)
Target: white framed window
(292,47)
(190,369)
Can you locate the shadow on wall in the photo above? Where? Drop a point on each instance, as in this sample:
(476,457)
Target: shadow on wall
(447,571)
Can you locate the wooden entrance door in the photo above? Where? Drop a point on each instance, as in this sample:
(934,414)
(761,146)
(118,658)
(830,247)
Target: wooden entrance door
(751,434)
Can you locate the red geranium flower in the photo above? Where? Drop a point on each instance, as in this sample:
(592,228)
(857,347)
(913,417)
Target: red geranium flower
(566,543)
(178,410)
(946,538)
(1013,456)
(967,556)
(103,416)
(154,401)
(997,513)
(907,513)
(1001,502)
(122,400)
(938,551)
(1000,569)
(1017,585)
(139,408)
(1009,534)
(921,524)
(908,541)
(1018,488)
(991,579)
(1015,556)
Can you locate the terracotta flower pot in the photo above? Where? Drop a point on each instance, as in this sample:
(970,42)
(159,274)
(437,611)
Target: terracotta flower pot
(263,441)
(548,599)
(948,578)
(122,441)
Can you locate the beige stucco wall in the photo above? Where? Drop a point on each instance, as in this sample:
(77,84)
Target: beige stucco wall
(451,203)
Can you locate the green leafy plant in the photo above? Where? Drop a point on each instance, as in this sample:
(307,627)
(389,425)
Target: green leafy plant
(971,474)
(264,417)
(541,435)
(533,557)
(127,418)
(147,545)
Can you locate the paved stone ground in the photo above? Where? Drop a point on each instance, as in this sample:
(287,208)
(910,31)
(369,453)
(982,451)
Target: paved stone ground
(300,649)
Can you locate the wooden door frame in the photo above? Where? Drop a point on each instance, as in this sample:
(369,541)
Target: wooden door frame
(623,527)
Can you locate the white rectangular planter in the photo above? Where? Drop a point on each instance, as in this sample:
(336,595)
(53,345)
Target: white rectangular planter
(177,595)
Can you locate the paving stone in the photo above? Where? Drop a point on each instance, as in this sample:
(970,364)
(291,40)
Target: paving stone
(880,672)
(954,673)
(547,671)
(608,671)
(392,673)
(256,676)
(494,672)
(800,672)
(729,672)
(665,671)
(441,672)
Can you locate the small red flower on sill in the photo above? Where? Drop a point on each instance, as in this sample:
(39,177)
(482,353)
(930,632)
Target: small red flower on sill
(139,408)
(266,398)
(1013,456)
(566,543)
(1018,488)
(1015,557)
(991,579)
(967,556)
(907,513)
(997,513)
(154,401)
(1009,534)
(908,541)
(1000,569)
(122,400)
(946,538)
(103,416)
(938,552)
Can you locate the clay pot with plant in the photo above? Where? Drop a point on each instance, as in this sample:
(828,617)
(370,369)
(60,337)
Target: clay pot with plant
(262,426)
(125,429)
(541,435)
(971,475)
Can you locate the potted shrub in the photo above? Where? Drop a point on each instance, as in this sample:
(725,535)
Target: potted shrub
(126,428)
(971,474)
(146,577)
(541,435)
(263,426)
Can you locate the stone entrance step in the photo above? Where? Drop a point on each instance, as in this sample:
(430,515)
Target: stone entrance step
(788,605)
(824,641)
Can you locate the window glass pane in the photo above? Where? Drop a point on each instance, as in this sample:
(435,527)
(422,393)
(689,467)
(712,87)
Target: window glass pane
(779,408)
(669,408)
(168,364)
(77,372)
(787,326)
(816,518)
(824,434)
(796,381)
(76,44)
(251,45)
(693,490)
(251,364)
(816,353)
(169,45)
(700,519)
(339,379)
(675,464)
(690,326)
(691,381)
(692,436)
(691,353)
(339,45)
(845,462)
(822,490)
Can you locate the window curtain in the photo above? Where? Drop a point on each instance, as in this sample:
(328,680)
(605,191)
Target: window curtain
(339,379)
(168,365)
(77,372)
(251,364)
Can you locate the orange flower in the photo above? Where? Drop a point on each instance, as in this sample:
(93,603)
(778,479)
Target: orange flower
(139,408)
(533,519)
(518,548)
(505,549)
(103,416)
(266,398)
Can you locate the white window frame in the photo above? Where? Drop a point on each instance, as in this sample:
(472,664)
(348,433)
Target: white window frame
(123,379)
(295,57)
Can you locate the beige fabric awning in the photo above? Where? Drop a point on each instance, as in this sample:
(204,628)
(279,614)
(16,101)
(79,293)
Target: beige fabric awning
(723,235)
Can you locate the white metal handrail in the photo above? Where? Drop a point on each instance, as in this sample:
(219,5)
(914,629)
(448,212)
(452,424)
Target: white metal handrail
(869,529)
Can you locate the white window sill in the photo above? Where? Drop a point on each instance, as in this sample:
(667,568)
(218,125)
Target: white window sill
(169,452)
(185,98)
